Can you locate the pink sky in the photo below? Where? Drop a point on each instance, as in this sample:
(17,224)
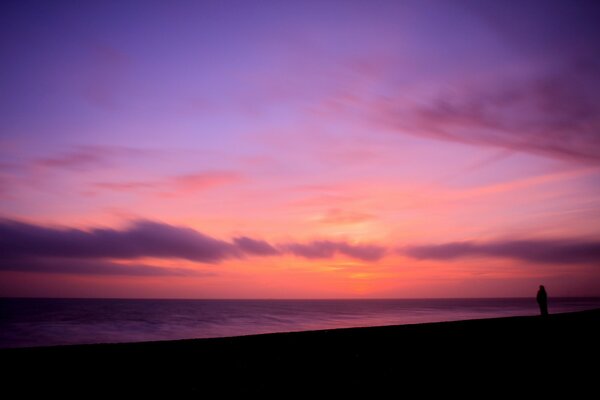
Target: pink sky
(332,149)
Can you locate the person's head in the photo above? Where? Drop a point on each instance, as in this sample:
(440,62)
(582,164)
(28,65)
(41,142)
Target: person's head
(542,288)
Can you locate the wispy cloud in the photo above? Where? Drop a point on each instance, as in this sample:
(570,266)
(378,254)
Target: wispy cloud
(556,114)
(203,180)
(80,159)
(86,157)
(129,186)
(176,185)
(336,216)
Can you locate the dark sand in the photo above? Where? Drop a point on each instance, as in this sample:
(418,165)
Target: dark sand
(505,356)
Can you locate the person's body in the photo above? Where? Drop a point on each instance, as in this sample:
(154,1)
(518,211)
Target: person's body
(542,300)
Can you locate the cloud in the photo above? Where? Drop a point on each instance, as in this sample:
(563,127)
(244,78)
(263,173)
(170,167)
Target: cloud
(93,267)
(7,183)
(108,251)
(362,252)
(141,239)
(80,159)
(555,114)
(255,247)
(541,97)
(126,186)
(175,185)
(87,157)
(328,249)
(336,216)
(203,180)
(556,251)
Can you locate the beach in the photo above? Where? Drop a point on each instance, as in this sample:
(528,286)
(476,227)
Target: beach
(558,352)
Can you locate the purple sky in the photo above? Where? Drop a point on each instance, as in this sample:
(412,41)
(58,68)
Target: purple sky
(306,141)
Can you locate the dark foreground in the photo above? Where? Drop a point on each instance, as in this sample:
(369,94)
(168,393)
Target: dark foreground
(511,356)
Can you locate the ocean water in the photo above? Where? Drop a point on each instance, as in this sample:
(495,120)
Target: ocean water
(47,322)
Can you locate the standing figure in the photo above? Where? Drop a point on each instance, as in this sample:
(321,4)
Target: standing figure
(542,300)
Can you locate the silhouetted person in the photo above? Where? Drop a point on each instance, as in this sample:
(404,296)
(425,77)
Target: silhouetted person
(542,300)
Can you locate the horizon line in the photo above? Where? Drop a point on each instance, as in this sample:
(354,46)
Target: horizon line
(287,299)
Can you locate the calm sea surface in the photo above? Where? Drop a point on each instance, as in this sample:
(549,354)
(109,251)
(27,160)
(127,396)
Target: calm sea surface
(45,322)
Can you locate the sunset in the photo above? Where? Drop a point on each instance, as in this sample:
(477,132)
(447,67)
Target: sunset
(303,150)
(298,150)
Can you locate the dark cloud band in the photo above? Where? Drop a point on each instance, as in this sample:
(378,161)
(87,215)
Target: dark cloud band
(141,239)
(564,251)
(327,249)
(28,247)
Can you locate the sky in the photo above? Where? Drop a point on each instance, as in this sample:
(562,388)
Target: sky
(299,149)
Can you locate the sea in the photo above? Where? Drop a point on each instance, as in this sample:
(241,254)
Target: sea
(50,322)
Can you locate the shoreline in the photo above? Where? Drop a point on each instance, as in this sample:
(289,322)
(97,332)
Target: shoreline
(52,322)
(530,347)
(204,340)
